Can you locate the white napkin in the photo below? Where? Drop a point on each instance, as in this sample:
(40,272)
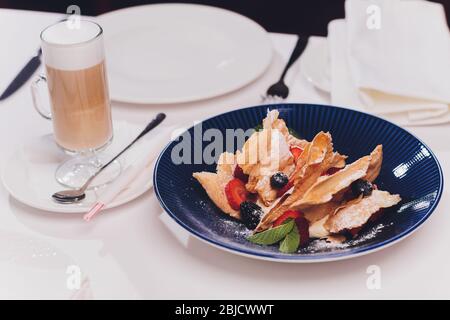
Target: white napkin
(401,69)
(141,157)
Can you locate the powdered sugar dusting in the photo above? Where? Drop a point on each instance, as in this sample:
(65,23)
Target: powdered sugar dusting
(322,245)
(235,228)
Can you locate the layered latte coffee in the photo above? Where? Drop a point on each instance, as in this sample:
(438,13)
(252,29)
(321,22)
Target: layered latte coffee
(78,88)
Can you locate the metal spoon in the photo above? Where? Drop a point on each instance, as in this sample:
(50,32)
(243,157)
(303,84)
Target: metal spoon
(76,195)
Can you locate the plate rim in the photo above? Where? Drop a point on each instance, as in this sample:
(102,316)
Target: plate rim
(70,209)
(237,84)
(299,258)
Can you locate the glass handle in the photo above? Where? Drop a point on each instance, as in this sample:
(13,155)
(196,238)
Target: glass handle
(37,98)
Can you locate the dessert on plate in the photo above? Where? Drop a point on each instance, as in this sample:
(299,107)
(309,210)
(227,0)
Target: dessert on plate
(289,190)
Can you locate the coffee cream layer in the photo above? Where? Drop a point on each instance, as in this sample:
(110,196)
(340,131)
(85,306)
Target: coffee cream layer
(67,47)
(78,87)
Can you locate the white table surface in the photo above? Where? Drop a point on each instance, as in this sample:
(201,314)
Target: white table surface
(136,251)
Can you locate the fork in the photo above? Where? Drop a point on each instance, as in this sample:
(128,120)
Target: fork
(279,90)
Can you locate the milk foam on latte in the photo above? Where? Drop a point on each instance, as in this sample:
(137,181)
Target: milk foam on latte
(67,48)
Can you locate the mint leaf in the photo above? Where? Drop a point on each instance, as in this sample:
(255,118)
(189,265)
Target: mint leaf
(273,235)
(291,241)
(259,127)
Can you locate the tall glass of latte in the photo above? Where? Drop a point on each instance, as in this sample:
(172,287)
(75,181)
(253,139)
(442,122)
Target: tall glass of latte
(73,54)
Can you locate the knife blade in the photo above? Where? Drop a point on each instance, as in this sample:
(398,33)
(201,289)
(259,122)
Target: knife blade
(27,71)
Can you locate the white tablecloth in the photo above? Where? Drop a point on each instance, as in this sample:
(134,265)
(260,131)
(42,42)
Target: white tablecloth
(135,251)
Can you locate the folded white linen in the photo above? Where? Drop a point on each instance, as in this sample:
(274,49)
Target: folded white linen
(401,69)
(343,91)
(142,157)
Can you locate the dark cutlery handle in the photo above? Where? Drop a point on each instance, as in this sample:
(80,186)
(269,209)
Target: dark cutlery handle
(298,50)
(158,119)
(24,74)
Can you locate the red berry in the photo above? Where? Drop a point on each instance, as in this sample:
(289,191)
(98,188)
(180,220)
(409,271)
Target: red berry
(286,215)
(236,193)
(374,217)
(354,232)
(284,189)
(296,152)
(331,171)
(303,229)
(238,173)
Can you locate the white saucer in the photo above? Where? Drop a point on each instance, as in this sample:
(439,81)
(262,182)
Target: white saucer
(172,53)
(315,63)
(29,174)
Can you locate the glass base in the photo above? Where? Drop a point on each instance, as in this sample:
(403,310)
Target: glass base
(74,172)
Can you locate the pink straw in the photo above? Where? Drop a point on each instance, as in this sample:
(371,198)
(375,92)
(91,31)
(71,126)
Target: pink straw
(94,210)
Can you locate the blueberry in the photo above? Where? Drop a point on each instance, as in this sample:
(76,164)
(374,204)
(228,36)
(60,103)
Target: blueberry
(251,214)
(363,187)
(279,180)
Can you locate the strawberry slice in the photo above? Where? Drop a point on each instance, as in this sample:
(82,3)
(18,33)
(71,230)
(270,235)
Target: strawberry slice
(283,190)
(239,173)
(292,214)
(236,193)
(303,229)
(296,152)
(354,232)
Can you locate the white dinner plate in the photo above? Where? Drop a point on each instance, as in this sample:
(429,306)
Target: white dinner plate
(29,173)
(172,53)
(315,63)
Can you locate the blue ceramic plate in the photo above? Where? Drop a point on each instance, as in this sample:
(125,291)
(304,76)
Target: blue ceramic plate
(409,169)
